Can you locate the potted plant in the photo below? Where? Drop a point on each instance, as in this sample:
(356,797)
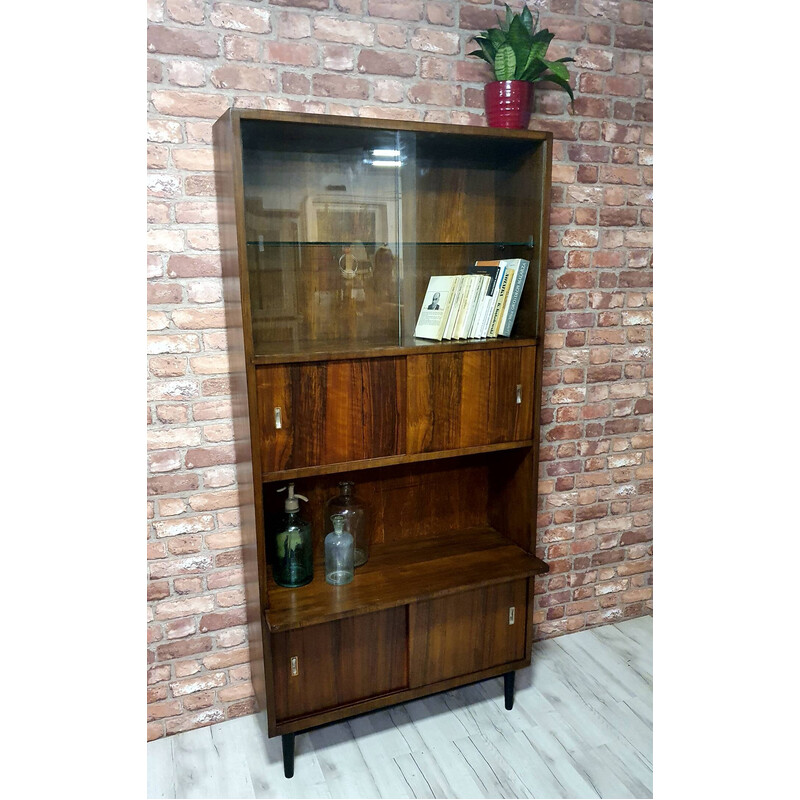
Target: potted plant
(516,51)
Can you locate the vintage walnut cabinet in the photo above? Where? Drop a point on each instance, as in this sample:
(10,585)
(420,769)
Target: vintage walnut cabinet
(331,228)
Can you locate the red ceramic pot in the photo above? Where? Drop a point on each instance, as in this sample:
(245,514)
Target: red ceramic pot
(508,103)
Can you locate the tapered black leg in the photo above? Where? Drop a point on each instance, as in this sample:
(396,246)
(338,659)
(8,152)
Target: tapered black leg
(287,744)
(508,679)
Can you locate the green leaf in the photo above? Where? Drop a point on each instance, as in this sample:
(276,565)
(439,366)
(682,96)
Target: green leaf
(520,40)
(534,70)
(488,49)
(561,82)
(519,36)
(557,69)
(527,19)
(506,23)
(497,37)
(505,63)
(525,70)
(480,54)
(541,41)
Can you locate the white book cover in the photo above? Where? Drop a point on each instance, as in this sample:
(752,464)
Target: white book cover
(477,320)
(435,307)
(462,310)
(461,297)
(520,266)
(491,304)
(500,300)
(471,303)
(458,289)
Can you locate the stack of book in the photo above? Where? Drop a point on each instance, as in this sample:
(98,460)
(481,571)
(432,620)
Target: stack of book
(479,305)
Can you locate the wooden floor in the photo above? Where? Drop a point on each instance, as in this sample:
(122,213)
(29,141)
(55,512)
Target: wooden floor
(581,726)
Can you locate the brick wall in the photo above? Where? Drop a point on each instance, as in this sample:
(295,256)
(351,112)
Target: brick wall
(398,59)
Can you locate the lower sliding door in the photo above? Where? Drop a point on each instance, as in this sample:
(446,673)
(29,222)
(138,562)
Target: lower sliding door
(467,632)
(337,663)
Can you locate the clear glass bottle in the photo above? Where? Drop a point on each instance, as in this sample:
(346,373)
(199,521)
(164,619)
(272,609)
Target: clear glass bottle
(294,556)
(339,567)
(356,519)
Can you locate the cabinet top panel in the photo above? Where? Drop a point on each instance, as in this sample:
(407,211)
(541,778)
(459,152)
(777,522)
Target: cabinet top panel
(242,114)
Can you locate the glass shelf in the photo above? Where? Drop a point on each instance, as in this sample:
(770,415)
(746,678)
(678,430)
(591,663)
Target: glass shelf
(501,245)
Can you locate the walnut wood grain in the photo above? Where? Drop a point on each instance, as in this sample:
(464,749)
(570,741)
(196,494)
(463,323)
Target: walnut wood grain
(340,662)
(466,632)
(387,461)
(331,412)
(407,501)
(345,350)
(465,399)
(390,699)
(399,573)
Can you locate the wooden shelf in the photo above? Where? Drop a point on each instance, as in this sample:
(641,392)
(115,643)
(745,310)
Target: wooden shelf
(389,461)
(404,572)
(286,352)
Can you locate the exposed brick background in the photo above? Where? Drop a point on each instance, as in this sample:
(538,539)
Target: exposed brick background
(398,59)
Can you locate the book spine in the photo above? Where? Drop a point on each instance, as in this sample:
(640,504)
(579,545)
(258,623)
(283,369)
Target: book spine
(477,322)
(509,289)
(498,306)
(490,307)
(516,294)
(460,310)
(488,304)
(451,318)
(471,307)
(446,312)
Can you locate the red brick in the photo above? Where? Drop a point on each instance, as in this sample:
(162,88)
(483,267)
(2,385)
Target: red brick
(182,42)
(292,53)
(189,104)
(633,38)
(225,619)
(317,5)
(181,649)
(435,94)
(618,216)
(375,63)
(240,18)
(432,41)
(339,86)
(344,31)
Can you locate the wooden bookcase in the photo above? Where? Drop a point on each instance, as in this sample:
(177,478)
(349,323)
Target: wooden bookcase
(440,438)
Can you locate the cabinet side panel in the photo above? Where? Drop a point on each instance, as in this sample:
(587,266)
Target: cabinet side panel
(228,182)
(512,488)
